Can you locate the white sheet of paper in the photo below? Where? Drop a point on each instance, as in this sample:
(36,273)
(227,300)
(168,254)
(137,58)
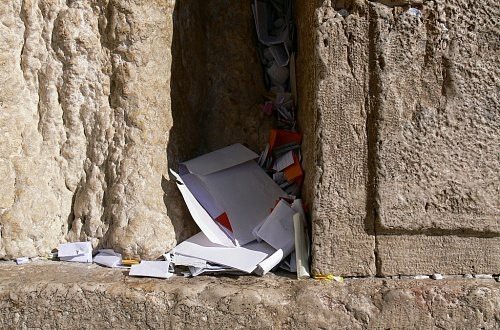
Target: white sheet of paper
(301,247)
(22,260)
(157,269)
(75,252)
(219,160)
(289,264)
(273,260)
(201,216)
(243,190)
(277,230)
(243,258)
(195,271)
(202,195)
(247,194)
(284,161)
(108,258)
(181,260)
(297,207)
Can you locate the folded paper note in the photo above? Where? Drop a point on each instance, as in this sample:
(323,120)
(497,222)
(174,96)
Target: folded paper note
(75,252)
(278,229)
(108,258)
(227,194)
(244,258)
(158,269)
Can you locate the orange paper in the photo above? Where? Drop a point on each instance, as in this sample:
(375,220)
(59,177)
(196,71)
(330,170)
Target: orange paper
(280,137)
(294,172)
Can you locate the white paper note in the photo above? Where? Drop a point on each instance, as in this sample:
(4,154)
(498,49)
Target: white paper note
(228,180)
(181,260)
(273,260)
(108,258)
(201,216)
(157,269)
(284,161)
(277,230)
(22,260)
(243,258)
(301,248)
(75,252)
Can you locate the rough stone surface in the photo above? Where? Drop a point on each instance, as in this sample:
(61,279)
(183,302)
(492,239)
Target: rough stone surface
(85,111)
(99,99)
(342,226)
(77,296)
(439,114)
(404,137)
(422,254)
(399,113)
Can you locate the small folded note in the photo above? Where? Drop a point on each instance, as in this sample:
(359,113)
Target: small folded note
(75,252)
(157,269)
(108,258)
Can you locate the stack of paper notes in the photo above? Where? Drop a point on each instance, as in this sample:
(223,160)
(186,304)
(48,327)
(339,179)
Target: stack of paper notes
(275,32)
(281,158)
(246,219)
(249,222)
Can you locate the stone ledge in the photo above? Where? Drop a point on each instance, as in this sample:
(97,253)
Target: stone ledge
(58,295)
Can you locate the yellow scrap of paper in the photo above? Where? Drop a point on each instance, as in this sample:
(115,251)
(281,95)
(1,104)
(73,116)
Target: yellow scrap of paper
(329,277)
(130,262)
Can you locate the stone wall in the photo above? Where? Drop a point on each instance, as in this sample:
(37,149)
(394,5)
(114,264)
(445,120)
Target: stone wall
(85,118)
(405,111)
(399,113)
(99,99)
(72,296)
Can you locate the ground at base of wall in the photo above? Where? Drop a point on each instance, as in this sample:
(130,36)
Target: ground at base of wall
(61,295)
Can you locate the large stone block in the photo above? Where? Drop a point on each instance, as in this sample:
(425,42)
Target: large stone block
(443,254)
(100,98)
(400,118)
(437,143)
(333,113)
(78,296)
(85,107)
(439,118)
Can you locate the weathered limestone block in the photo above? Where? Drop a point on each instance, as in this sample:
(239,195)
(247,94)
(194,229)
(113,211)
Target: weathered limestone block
(444,254)
(85,114)
(35,200)
(401,119)
(88,129)
(439,115)
(437,144)
(337,169)
(78,296)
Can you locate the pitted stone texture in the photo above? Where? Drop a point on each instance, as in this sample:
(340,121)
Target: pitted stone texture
(405,134)
(439,117)
(85,108)
(88,130)
(77,296)
(420,254)
(342,225)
